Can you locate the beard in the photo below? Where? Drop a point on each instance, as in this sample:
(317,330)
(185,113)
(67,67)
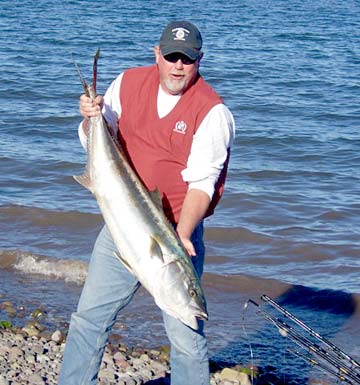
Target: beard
(175,87)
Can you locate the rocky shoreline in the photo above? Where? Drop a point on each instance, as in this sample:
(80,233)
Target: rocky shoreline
(32,347)
(36,360)
(30,354)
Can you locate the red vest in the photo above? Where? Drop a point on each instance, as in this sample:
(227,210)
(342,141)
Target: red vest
(158,149)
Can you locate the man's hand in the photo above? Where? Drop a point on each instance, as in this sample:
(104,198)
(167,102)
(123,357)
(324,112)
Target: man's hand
(89,108)
(195,204)
(189,247)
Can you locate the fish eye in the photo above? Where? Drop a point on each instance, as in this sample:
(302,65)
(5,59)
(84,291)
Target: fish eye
(192,293)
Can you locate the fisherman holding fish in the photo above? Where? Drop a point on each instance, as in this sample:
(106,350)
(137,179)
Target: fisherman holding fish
(176,134)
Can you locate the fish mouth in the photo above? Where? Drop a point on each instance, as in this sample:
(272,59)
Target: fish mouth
(200,314)
(193,316)
(203,316)
(193,322)
(200,310)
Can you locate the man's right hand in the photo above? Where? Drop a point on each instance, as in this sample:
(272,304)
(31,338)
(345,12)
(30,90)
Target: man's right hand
(89,107)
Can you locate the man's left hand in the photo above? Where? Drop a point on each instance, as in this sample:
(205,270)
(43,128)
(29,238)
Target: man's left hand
(189,247)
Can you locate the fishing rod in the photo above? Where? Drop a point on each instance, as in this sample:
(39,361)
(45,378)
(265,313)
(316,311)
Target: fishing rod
(320,365)
(287,331)
(313,333)
(320,352)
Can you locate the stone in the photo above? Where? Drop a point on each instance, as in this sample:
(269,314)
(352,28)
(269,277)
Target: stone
(119,356)
(57,337)
(114,338)
(107,358)
(36,379)
(6,304)
(146,374)
(30,330)
(4,349)
(15,353)
(132,381)
(10,311)
(11,374)
(18,338)
(121,361)
(159,366)
(104,381)
(38,313)
(30,358)
(155,353)
(38,348)
(108,374)
(42,358)
(137,363)
(235,376)
(144,357)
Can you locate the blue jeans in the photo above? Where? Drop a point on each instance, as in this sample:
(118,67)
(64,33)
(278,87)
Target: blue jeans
(108,288)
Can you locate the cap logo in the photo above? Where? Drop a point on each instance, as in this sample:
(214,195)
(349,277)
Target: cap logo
(180,33)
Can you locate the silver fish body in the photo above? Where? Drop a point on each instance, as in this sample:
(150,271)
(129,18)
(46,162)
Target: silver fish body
(147,243)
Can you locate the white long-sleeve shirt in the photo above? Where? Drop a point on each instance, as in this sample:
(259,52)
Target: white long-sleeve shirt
(210,143)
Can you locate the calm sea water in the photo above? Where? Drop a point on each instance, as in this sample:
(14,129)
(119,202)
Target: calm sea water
(288,225)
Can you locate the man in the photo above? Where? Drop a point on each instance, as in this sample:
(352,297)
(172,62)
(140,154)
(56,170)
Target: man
(177,134)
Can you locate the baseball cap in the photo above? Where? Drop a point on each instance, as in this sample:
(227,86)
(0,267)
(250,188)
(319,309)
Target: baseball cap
(181,36)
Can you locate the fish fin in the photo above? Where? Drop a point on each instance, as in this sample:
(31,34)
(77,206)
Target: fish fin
(83,82)
(84,180)
(155,249)
(122,260)
(96,57)
(156,198)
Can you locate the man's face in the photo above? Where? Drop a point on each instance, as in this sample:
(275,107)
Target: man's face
(177,73)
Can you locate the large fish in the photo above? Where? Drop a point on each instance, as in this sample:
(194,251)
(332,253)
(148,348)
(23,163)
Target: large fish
(147,243)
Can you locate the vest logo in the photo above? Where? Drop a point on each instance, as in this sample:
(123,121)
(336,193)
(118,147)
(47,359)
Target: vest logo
(180,127)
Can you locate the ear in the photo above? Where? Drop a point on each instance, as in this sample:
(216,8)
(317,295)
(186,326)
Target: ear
(200,57)
(197,63)
(157,54)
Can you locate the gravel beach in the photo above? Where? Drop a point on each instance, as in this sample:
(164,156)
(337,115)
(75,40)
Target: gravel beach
(36,360)
(31,354)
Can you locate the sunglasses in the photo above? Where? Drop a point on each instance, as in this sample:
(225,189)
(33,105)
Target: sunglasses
(174,57)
